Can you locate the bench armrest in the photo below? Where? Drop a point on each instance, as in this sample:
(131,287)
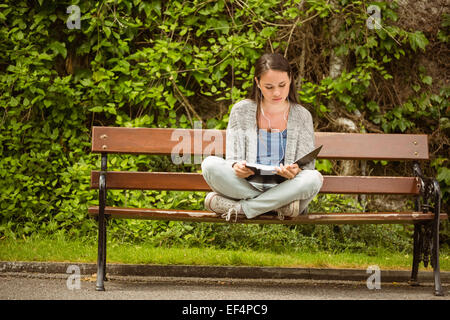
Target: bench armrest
(429,189)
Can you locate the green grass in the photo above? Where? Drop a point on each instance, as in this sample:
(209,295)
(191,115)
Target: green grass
(82,251)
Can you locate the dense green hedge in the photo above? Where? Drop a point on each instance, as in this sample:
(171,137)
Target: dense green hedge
(168,64)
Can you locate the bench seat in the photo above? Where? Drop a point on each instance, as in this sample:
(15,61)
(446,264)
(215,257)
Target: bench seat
(312,218)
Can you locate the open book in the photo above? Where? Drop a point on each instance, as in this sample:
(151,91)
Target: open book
(268,174)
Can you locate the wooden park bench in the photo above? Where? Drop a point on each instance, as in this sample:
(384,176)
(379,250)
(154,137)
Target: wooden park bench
(351,146)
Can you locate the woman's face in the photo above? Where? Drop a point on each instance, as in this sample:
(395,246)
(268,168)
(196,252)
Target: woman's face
(274,86)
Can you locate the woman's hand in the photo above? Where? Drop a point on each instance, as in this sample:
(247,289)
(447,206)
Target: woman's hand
(241,170)
(289,171)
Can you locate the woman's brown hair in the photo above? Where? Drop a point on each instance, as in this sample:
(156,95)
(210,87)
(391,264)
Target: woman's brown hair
(271,61)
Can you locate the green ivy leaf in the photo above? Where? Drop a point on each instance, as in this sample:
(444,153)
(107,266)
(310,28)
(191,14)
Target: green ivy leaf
(417,40)
(59,48)
(427,80)
(444,175)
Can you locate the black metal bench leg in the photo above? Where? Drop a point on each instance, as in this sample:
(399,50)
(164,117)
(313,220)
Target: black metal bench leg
(101,258)
(435,249)
(104,251)
(435,256)
(101,252)
(416,254)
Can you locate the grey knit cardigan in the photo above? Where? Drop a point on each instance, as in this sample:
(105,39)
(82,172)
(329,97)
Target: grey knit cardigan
(241,134)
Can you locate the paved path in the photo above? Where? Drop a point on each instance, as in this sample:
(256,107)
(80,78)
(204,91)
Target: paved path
(26,286)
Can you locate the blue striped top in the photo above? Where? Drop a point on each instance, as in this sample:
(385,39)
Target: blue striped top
(271,147)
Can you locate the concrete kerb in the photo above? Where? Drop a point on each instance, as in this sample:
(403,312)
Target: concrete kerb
(237,272)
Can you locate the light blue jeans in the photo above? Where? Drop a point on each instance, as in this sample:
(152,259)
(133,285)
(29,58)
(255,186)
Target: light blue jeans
(222,179)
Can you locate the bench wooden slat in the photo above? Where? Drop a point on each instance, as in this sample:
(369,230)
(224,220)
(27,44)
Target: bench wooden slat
(313,218)
(195,182)
(372,146)
(163,141)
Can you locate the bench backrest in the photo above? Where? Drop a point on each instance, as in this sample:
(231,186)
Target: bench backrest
(161,141)
(356,146)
